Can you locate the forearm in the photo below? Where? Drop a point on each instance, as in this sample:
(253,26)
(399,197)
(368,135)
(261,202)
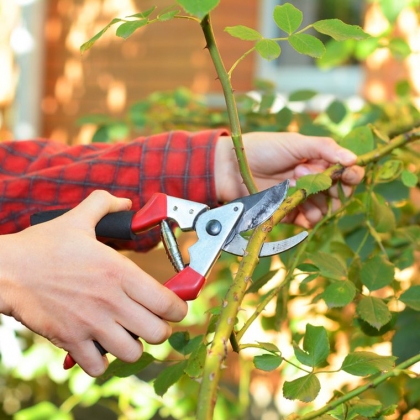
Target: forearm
(56,176)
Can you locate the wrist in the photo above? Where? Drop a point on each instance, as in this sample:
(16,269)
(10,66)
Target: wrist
(227,177)
(8,266)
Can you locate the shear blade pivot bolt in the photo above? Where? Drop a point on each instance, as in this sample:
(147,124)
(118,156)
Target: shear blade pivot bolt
(213,227)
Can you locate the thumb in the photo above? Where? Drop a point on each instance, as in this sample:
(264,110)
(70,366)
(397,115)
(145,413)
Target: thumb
(98,204)
(324,148)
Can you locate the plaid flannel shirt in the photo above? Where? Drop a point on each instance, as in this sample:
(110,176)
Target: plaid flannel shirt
(43,175)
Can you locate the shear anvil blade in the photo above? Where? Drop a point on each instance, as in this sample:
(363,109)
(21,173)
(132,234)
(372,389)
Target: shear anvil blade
(238,245)
(259,207)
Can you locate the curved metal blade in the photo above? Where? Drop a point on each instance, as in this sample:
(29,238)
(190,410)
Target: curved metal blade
(259,207)
(238,245)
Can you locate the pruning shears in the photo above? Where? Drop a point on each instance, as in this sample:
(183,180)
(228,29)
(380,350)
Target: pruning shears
(217,230)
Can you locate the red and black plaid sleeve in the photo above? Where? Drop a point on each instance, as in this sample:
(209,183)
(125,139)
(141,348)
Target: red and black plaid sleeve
(43,175)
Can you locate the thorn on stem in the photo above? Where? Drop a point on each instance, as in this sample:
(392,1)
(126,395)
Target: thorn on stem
(225,348)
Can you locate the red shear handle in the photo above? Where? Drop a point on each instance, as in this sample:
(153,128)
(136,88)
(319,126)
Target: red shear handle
(186,284)
(151,214)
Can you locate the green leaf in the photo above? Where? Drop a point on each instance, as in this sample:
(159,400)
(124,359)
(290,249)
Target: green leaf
(244,33)
(101,135)
(359,141)
(268,49)
(164,17)
(303,389)
(377,272)
(410,233)
(307,44)
(284,117)
(336,111)
(363,49)
(374,311)
(382,216)
(403,88)
(314,130)
(388,411)
(256,285)
(314,183)
(316,347)
(391,8)
(181,342)
(287,17)
(329,266)
(409,179)
(336,53)
(118,131)
(269,347)
(366,407)
(267,362)
(126,29)
(339,30)
(169,377)
(198,8)
(399,48)
(364,363)
(122,369)
(389,171)
(195,363)
(411,297)
(308,268)
(309,278)
(339,294)
(89,44)
(302,95)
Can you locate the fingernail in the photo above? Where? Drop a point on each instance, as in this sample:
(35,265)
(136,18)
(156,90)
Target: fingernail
(302,171)
(346,157)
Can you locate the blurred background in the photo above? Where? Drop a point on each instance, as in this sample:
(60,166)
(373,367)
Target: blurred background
(46,85)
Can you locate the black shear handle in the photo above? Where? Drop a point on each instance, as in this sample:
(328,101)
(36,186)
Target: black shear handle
(114,225)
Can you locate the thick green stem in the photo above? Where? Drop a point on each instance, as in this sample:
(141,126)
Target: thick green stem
(235,127)
(218,350)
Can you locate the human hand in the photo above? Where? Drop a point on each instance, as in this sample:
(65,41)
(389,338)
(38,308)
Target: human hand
(62,283)
(274,157)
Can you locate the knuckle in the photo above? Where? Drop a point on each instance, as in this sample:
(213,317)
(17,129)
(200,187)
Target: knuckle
(160,333)
(165,303)
(100,194)
(101,198)
(181,312)
(132,353)
(94,370)
(171,307)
